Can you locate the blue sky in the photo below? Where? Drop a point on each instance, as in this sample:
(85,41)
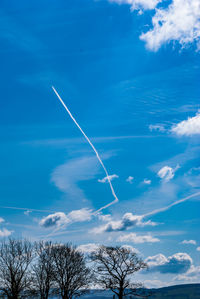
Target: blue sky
(129,72)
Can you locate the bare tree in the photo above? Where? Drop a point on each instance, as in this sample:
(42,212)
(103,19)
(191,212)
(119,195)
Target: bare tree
(42,269)
(70,271)
(114,267)
(15,259)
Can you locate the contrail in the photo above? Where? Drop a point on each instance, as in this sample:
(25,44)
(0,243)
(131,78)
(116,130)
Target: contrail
(154,212)
(26,209)
(94,149)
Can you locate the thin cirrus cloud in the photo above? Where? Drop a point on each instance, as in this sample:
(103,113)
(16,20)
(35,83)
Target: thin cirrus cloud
(159,128)
(128,220)
(67,175)
(167,173)
(107,178)
(179,22)
(188,127)
(138,239)
(61,220)
(138,4)
(177,263)
(189,242)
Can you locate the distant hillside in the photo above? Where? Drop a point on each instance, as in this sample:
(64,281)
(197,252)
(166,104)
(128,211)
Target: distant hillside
(187,291)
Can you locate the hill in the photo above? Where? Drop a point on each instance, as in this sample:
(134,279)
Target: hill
(187,291)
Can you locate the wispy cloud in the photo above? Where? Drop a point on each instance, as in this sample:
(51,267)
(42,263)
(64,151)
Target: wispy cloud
(191,242)
(159,128)
(18,35)
(138,4)
(138,239)
(67,175)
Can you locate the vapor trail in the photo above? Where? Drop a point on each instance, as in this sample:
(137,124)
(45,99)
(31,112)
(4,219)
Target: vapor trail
(94,149)
(154,212)
(26,209)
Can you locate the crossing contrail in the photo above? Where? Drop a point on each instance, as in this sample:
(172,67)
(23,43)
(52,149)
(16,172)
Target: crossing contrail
(94,149)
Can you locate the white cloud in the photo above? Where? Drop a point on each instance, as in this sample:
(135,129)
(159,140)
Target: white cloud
(80,215)
(177,263)
(58,219)
(128,220)
(1,220)
(61,220)
(105,218)
(198,248)
(167,173)
(137,239)
(191,275)
(106,178)
(130,179)
(188,127)
(138,4)
(179,22)
(156,260)
(147,182)
(159,128)
(191,242)
(5,233)
(88,248)
(155,283)
(131,248)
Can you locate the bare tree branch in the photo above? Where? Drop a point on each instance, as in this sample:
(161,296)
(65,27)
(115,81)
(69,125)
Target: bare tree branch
(15,259)
(70,271)
(114,266)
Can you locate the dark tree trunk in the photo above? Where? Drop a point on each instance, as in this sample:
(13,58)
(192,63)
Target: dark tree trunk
(120,295)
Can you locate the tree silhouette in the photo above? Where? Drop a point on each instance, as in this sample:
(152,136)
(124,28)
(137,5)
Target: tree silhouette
(114,267)
(15,259)
(71,274)
(42,269)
